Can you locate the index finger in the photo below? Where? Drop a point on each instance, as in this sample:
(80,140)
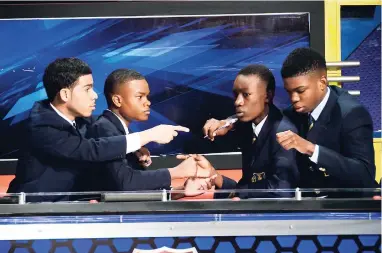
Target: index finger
(181,128)
(281,133)
(284,137)
(184,157)
(198,157)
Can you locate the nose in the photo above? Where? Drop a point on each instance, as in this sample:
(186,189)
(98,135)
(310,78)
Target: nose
(148,103)
(239,100)
(94,95)
(294,98)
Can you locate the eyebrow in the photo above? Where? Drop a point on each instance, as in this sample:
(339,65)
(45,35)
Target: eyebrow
(297,88)
(240,90)
(141,93)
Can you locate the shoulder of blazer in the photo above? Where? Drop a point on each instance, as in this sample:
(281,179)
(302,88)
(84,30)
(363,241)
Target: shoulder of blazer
(110,123)
(346,102)
(43,115)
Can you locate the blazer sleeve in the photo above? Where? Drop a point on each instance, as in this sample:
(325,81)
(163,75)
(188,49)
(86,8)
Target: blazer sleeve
(63,144)
(125,177)
(355,164)
(228,184)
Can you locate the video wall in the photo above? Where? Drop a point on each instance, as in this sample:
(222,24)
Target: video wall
(190,63)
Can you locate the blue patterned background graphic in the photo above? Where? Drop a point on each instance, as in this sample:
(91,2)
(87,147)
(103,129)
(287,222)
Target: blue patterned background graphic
(189,62)
(361,41)
(232,244)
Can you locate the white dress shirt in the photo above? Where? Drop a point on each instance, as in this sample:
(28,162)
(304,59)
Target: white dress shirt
(315,114)
(257,128)
(71,122)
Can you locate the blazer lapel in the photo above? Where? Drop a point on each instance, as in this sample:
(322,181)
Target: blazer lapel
(273,116)
(322,122)
(115,120)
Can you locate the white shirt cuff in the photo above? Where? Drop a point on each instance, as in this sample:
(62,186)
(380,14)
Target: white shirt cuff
(133,142)
(314,157)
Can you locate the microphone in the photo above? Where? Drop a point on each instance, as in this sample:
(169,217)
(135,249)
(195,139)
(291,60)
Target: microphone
(229,121)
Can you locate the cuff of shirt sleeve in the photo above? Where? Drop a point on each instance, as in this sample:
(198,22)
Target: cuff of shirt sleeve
(314,157)
(133,142)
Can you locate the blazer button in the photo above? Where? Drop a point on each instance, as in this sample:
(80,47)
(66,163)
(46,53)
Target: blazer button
(311,168)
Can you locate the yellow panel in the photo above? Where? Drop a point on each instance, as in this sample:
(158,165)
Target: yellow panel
(333,30)
(332,36)
(378,158)
(360,2)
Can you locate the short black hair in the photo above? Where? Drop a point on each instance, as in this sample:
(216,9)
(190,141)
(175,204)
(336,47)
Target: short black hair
(63,73)
(302,61)
(263,72)
(118,77)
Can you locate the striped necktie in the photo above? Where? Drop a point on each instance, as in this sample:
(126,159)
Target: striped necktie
(311,122)
(254,138)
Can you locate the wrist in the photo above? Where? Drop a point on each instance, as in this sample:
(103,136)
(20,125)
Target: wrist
(174,173)
(218,180)
(146,136)
(310,149)
(178,195)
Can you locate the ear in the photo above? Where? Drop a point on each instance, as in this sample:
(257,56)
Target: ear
(117,100)
(64,94)
(269,97)
(323,82)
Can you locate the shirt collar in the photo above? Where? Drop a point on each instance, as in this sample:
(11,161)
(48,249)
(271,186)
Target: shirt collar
(122,122)
(317,111)
(257,128)
(71,122)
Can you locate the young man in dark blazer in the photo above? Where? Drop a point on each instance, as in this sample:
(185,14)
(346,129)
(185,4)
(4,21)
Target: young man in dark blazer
(335,140)
(126,92)
(265,164)
(55,149)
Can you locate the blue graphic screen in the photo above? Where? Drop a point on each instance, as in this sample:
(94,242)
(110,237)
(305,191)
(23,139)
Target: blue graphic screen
(189,62)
